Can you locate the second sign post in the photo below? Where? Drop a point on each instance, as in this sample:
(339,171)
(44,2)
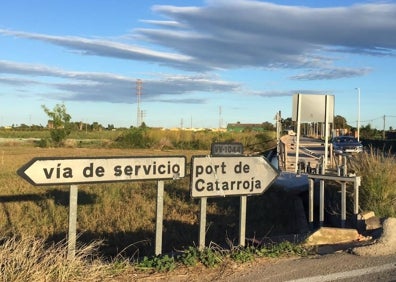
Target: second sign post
(232,175)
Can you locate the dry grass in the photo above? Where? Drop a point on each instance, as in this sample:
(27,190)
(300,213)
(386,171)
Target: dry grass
(378,187)
(31,259)
(120,215)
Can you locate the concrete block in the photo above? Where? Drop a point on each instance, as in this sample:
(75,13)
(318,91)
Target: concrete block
(365,215)
(329,235)
(373,223)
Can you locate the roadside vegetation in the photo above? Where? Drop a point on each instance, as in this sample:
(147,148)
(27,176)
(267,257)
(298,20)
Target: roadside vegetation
(144,138)
(116,221)
(33,259)
(378,188)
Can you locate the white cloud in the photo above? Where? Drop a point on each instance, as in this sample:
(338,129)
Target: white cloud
(231,34)
(92,86)
(106,48)
(243,33)
(332,73)
(223,35)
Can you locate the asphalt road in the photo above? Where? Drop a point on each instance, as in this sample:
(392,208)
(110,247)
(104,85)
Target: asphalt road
(331,267)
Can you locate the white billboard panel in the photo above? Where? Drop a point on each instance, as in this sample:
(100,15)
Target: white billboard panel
(313,107)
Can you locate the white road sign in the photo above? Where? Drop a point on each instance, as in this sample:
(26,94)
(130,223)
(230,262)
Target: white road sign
(228,176)
(50,171)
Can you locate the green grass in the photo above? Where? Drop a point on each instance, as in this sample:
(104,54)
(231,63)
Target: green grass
(147,138)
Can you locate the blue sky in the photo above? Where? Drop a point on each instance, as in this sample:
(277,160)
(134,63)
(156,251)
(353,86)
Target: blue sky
(202,63)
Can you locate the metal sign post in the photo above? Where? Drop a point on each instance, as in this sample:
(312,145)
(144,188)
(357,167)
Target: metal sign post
(202,223)
(73,171)
(343,180)
(160,217)
(312,108)
(229,175)
(71,242)
(242,220)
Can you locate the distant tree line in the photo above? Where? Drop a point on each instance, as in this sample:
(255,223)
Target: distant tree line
(61,126)
(74,126)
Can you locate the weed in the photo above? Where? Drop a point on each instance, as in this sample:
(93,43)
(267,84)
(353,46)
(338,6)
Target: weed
(161,263)
(189,257)
(243,254)
(119,266)
(211,256)
(284,248)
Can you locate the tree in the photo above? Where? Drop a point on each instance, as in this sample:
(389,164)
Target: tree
(367,132)
(288,123)
(135,137)
(95,126)
(110,127)
(61,122)
(340,122)
(268,126)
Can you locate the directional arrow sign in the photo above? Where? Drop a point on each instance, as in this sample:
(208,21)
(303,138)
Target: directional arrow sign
(230,176)
(50,171)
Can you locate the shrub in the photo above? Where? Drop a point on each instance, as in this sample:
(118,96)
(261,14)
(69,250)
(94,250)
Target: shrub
(211,256)
(61,123)
(189,257)
(134,138)
(44,143)
(159,263)
(378,183)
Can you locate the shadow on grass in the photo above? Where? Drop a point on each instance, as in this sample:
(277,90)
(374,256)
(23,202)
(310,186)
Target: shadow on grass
(177,236)
(61,197)
(269,214)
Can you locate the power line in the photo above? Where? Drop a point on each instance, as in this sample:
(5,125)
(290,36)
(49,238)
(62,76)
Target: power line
(378,118)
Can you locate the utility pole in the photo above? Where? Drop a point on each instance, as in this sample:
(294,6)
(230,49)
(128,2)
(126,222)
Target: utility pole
(383,131)
(143,114)
(220,119)
(139,86)
(358,118)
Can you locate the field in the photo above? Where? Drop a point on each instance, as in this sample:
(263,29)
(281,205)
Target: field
(123,214)
(120,216)
(116,221)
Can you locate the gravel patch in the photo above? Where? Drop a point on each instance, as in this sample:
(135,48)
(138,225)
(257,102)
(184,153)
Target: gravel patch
(384,245)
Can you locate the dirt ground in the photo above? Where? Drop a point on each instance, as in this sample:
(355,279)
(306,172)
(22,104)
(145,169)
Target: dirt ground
(384,245)
(222,272)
